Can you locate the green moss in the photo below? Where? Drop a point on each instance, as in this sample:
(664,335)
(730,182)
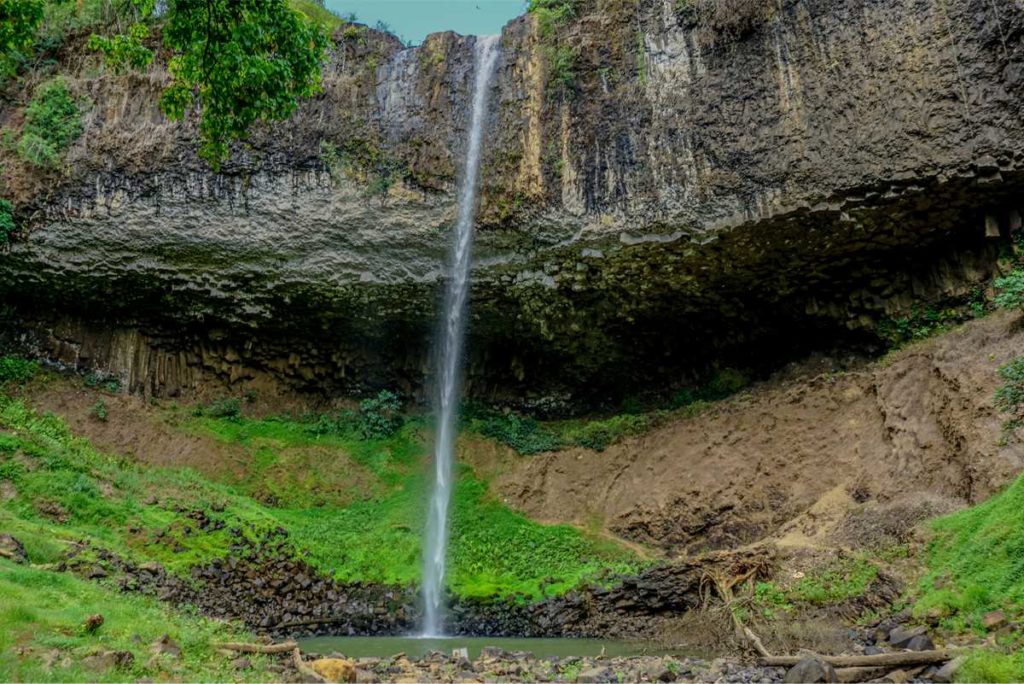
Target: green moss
(43,611)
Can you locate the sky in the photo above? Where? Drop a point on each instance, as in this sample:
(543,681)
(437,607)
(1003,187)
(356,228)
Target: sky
(412,20)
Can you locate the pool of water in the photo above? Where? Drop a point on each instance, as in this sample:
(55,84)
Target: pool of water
(414,647)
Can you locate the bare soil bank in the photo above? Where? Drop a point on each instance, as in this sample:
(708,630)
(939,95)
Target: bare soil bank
(814,457)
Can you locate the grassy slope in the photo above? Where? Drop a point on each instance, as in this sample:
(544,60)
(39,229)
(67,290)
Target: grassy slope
(374,534)
(43,611)
(976,565)
(364,529)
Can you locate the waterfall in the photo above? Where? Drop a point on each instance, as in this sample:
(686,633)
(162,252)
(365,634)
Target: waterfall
(453,326)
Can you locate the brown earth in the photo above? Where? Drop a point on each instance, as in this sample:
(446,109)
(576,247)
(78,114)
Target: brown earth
(157,434)
(812,457)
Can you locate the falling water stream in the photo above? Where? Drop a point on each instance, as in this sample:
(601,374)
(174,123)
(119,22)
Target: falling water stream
(453,326)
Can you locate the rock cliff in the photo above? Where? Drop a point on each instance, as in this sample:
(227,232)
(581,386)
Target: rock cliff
(665,188)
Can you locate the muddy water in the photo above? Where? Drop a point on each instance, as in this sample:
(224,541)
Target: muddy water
(415,647)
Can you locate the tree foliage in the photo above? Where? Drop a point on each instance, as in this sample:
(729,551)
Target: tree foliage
(124,50)
(239,61)
(18,22)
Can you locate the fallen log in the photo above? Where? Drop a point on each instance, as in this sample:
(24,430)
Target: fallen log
(879,660)
(283,647)
(305,670)
(850,675)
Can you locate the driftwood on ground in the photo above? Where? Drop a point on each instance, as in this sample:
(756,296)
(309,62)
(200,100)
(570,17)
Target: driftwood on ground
(283,647)
(880,660)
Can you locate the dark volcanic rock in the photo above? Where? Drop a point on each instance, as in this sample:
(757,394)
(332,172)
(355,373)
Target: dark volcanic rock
(811,670)
(686,199)
(12,549)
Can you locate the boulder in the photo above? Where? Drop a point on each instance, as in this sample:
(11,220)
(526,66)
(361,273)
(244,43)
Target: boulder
(920,643)
(241,664)
(811,670)
(335,669)
(993,620)
(901,636)
(594,675)
(109,660)
(12,549)
(165,645)
(93,622)
(947,672)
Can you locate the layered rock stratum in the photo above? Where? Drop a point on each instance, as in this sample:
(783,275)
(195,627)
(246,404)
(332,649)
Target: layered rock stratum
(689,193)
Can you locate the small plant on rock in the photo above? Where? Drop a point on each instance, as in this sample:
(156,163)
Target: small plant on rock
(99,411)
(1010,290)
(6,221)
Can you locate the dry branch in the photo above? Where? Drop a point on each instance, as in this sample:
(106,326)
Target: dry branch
(880,660)
(283,647)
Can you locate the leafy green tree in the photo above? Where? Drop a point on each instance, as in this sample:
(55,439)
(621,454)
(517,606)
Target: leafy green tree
(239,61)
(18,22)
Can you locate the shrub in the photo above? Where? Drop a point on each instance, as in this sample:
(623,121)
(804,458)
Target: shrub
(563,66)
(551,13)
(99,411)
(6,221)
(222,408)
(524,434)
(380,417)
(1010,396)
(1010,289)
(124,50)
(14,369)
(52,122)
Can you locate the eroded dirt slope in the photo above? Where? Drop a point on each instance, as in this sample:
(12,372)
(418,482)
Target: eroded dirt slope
(812,454)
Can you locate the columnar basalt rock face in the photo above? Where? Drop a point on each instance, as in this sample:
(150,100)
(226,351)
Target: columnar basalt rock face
(679,198)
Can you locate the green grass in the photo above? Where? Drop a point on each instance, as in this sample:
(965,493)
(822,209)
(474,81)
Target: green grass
(353,507)
(976,561)
(43,611)
(844,579)
(992,666)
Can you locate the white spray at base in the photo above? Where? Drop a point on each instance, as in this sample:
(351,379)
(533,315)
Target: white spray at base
(453,331)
